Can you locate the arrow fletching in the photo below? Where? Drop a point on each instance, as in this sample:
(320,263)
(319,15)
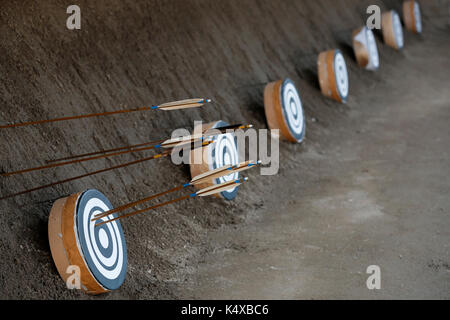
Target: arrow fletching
(246,126)
(170,143)
(192,138)
(183,104)
(223,130)
(220,187)
(230,127)
(223,171)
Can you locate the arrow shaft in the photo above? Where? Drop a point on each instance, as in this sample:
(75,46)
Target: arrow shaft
(53,165)
(189,103)
(86,175)
(145,210)
(210,191)
(224,171)
(230,127)
(164,154)
(167,106)
(135,203)
(208,177)
(29,123)
(106,151)
(224,128)
(219,186)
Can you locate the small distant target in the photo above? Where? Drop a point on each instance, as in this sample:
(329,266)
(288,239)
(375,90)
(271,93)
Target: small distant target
(392,29)
(284,110)
(99,252)
(333,76)
(412,16)
(223,151)
(365,48)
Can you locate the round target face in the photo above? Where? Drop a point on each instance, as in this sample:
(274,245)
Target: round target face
(365,48)
(291,105)
(224,152)
(340,71)
(104,248)
(398,31)
(373,50)
(412,16)
(417,17)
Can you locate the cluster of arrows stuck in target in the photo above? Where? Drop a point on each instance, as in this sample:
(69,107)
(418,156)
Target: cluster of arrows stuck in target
(195,141)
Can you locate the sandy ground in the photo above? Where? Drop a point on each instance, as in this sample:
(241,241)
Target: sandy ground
(368,186)
(375,193)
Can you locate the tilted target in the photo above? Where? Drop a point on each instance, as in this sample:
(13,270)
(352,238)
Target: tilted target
(222,152)
(284,110)
(392,29)
(365,48)
(412,16)
(100,252)
(333,76)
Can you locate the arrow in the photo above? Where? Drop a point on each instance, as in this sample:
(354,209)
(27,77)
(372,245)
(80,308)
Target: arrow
(208,133)
(183,104)
(106,151)
(207,176)
(170,143)
(166,144)
(209,191)
(164,154)
(202,193)
(223,171)
(222,129)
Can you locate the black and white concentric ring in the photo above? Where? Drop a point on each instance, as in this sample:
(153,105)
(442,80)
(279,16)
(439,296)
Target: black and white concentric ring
(103,247)
(340,71)
(417,17)
(374,59)
(224,152)
(398,31)
(293,110)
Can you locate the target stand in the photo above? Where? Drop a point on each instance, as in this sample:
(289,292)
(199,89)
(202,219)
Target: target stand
(284,110)
(333,76)
(365,48)
(412,16)
(100,252)
(391,27)
(222,152)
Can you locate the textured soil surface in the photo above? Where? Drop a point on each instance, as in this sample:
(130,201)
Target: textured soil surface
(370,184)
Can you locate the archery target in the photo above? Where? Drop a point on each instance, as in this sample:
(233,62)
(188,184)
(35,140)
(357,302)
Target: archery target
(103,247)
(374,61)
(398,30)
(412,16)
(365,48)
(333,75)
(417,18)
(284,110)
(340,69)
(100,252)
(392,29)
(223,151)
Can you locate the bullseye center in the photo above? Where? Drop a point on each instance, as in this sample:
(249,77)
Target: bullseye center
(227,158)
(103,237)
(293,107)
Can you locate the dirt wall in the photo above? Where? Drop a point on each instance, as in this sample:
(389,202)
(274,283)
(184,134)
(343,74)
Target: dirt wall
(135,53)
